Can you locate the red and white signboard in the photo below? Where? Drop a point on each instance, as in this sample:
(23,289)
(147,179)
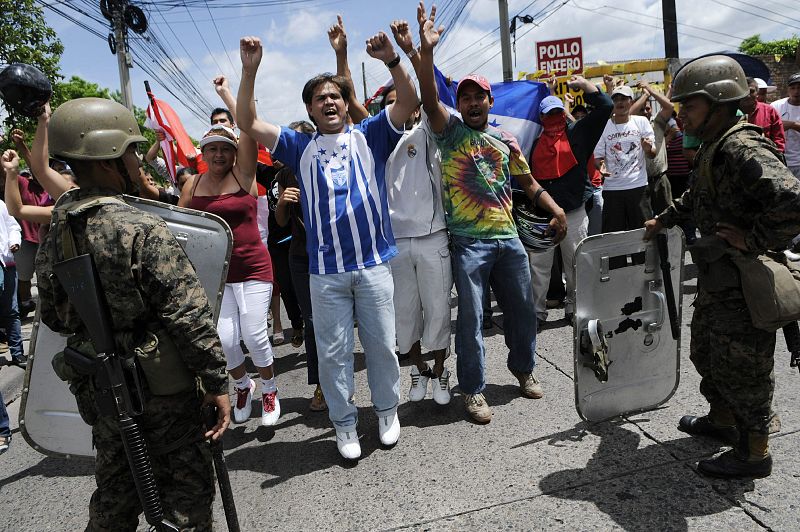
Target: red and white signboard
(561,57)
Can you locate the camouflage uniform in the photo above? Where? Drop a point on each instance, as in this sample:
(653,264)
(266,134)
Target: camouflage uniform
(753,190)
(147,279)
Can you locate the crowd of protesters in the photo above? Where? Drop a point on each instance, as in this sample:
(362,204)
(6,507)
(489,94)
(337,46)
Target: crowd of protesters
(366,222)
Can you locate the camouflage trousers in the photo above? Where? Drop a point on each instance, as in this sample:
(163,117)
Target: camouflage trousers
(185,476)
(734,359)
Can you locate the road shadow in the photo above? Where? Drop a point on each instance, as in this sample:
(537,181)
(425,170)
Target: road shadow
(49,467)
(658,496)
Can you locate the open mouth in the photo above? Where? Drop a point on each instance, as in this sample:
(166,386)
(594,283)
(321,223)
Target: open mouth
(329,112)
(474,113)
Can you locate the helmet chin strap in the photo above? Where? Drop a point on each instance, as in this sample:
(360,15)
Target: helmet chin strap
(711,110)
(130,186)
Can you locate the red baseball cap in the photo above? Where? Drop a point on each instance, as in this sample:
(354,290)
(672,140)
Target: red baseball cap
(479,80)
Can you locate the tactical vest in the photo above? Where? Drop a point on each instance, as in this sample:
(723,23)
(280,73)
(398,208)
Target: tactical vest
(153,348)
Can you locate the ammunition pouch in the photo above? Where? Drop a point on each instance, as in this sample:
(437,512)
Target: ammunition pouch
(716,270)
(771,287)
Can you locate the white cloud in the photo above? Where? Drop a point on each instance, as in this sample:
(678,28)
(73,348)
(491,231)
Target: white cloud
(300,28)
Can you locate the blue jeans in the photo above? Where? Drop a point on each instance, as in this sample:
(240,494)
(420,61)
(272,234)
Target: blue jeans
(4,430)
(9,312)
(505,263)
(336,300)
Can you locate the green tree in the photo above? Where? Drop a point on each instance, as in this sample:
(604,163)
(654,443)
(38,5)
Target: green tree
(753,45)
(25,37)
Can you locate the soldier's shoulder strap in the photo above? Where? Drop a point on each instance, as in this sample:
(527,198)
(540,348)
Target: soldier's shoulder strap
(63,210)
(708,152)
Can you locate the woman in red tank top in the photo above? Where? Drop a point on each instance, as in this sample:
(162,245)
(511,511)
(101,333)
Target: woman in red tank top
(228,189)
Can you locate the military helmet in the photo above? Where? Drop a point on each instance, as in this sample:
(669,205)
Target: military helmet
(717,77)
(533,227)
(93,129)
(25,89)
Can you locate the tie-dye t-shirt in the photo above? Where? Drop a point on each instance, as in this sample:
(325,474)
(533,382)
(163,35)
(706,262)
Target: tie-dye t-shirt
(476,179)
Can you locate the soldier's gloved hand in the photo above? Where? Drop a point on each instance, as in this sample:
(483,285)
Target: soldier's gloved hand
(732,235)
(652,227)
(223,404)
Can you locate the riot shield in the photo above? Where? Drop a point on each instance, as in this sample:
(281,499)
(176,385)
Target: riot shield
(627,331)
(49,419)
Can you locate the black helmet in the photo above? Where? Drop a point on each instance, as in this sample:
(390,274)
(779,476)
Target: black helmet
(533,226)
(24,89)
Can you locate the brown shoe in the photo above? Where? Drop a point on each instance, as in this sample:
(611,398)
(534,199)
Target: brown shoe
(297,337)
(318,403)
(529,385)
(477,407)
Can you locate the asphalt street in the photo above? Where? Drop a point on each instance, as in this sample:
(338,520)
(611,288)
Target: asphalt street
(536,466)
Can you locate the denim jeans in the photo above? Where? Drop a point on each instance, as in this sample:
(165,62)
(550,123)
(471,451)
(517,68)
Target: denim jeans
(9,311)
(298,265)
(336,299)
(505,263)
(4,430)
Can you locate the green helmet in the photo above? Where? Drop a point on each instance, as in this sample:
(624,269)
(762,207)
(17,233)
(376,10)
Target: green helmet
(93,129)
(717,77)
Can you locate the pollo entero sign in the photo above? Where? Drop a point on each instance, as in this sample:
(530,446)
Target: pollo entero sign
(561,57)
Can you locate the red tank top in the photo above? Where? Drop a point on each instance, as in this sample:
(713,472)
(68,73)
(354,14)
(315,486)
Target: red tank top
(250,259)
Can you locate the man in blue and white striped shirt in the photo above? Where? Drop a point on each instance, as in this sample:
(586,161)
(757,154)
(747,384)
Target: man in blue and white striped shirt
(343,198)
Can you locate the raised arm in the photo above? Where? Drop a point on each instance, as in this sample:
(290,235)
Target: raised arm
(16,208)
(267,134)
(225,94)
(663,100)
(429,37)
(338,39)
(53,182)
(380,47)
(402,36)
(152,153)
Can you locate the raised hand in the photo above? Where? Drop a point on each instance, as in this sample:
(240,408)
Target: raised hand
(429,34)
(608,81)
(18,138)
(337,36)
(578,82)
(644,85)
(402,35)
(380,47)
(251,51)
(221,84)
(10,161)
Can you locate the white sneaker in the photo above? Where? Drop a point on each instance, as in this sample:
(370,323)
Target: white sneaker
(348,444)
(419,384)
(441,388)
(244,403)
(270,408)
(389,429)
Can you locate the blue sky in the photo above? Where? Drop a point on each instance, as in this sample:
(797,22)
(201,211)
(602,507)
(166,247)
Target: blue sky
(296,42)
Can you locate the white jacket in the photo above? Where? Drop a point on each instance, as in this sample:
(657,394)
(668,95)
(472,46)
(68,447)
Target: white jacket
(10,234)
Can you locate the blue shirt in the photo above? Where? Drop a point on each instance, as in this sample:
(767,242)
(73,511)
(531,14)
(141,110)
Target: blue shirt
(343,193)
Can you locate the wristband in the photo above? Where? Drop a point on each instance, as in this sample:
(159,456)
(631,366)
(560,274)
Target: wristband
(411,53)
(536,197)
(394,62)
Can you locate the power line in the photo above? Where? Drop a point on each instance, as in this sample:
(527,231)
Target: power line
(756,14)
(216,28)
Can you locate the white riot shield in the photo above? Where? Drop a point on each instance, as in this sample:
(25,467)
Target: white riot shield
(626,356)
(49,419)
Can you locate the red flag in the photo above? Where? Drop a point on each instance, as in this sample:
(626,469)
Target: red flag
(161,116)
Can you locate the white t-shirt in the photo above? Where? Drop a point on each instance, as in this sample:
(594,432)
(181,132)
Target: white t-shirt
(414,183)
(621,147)
(790,112)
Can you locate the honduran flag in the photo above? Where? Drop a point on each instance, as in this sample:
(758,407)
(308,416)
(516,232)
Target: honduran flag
(515,109)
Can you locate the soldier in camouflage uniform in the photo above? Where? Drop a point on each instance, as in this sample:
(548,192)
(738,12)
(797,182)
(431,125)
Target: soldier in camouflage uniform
(743,197)
(149,285)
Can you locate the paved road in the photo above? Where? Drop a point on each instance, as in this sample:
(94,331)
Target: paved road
(535,466)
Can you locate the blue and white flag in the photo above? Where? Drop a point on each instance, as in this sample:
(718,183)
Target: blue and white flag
(515,109)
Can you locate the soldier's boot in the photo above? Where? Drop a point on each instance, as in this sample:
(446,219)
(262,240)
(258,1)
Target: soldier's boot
(750,459)
(718,424)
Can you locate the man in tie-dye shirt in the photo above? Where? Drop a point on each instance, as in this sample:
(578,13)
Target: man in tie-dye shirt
(478,162)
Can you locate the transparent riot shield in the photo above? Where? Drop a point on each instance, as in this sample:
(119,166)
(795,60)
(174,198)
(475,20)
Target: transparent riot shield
(627,331)
(49,419)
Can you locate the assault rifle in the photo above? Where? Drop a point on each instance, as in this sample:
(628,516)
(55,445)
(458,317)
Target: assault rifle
(118,388)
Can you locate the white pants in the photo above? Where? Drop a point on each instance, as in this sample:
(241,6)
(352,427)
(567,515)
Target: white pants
(422,282)
(243,316)
(542,261)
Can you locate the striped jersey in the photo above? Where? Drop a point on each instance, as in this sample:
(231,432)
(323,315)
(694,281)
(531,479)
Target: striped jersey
(343,193)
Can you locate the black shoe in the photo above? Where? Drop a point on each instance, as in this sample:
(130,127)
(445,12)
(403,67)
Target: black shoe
(20,361)
(26,307)
(487,323)
(731,465)
(702,426)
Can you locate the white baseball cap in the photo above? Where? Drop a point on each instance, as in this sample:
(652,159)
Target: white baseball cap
(763,85)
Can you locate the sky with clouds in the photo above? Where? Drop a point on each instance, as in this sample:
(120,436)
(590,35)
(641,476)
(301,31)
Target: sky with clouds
(296,44)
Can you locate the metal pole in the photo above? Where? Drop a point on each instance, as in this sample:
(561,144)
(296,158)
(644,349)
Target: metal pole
(364,80)
(505,41)
(123,55)
(670,19)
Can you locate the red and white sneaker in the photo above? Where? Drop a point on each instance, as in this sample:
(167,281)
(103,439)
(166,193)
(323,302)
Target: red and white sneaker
(270,408)
(244,403)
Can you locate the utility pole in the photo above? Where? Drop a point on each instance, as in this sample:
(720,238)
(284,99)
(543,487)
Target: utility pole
(123,55)
(505,41)
(670,20)
(364,80)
